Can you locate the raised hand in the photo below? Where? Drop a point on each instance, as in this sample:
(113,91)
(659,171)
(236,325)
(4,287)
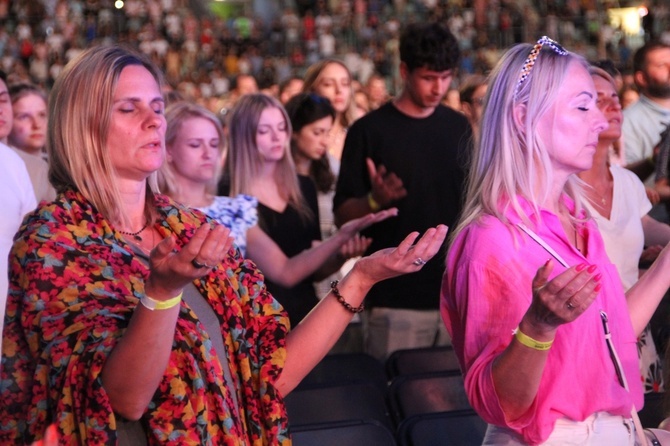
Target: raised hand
(387,187)
(351,227)
(407,257)
(565,297)
(355,246)
(170,271)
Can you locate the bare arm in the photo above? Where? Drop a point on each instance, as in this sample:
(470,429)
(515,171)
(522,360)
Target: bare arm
(310,340)
(645,295)
(655,232)
(290,271)
(146,345)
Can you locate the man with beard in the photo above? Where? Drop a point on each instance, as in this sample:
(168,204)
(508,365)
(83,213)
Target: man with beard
(410,153)
(645,121)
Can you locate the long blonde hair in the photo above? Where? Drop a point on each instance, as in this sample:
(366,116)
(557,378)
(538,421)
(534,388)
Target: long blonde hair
(80,107)
(176,115)
(511,160)
(244,160)
(313,76)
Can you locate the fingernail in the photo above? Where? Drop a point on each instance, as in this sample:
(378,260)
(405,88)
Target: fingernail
(580,267)
(597,277)
(592,268)
(598,287)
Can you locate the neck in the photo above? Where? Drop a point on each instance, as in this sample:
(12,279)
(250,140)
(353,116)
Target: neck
(133,201)
(663,102)
(302,164)
(192,194)
(599,171)
(406,105)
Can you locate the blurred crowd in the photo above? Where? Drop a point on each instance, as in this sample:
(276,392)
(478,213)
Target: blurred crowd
(202,54)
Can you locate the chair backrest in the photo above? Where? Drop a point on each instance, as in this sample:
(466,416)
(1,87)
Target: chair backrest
(421,360)
(459,428)
(347,433)
(410,395)
(346,368)
(361,401)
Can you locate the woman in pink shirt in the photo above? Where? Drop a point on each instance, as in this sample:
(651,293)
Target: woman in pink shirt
(529,289)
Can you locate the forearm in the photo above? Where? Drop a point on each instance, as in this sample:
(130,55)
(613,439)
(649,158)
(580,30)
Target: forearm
(144,351)
(645,295)
(517,372)
(311,340)
(286,271)
(655,232)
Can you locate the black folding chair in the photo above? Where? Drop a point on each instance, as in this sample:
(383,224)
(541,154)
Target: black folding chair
(410,395)
(343,433)
(458,428)
(346,368)
(421,360)
(361,401)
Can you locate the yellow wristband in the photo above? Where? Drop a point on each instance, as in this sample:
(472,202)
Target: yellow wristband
(530,342)
(373,204)
(153,304)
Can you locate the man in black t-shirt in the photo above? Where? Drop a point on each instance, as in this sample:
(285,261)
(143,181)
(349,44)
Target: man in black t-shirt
(410,153)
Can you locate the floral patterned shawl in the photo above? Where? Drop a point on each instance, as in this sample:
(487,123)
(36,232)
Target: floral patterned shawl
(74,284)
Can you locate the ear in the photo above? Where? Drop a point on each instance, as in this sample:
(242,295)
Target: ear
(404,71)
(640,79)
(168,155)
(519,115)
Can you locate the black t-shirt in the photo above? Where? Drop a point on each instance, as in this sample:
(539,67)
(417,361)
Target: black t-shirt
(430,157)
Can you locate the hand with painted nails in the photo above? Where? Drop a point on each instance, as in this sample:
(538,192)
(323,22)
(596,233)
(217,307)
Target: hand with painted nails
(565,297)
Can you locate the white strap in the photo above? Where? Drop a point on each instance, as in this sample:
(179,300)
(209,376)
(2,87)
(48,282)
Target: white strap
(543,244)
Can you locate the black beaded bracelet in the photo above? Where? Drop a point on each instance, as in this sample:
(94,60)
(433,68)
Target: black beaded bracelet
(347,305)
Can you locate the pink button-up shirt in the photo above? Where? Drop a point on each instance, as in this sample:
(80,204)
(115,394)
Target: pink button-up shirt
(486,290)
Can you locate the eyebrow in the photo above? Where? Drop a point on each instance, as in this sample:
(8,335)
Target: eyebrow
(136,99)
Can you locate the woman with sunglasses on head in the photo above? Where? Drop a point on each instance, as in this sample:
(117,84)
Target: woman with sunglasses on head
(130,319)
(535,308)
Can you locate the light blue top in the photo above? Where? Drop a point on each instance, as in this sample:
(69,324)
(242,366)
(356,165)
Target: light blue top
(238,213)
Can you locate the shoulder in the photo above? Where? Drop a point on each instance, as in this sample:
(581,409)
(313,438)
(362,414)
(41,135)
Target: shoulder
(622,174)
(485,237)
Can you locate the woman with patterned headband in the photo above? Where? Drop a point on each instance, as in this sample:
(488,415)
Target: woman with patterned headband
(535,308)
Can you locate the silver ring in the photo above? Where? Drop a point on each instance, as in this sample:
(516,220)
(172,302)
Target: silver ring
(569,305)
(199,265)
(419,262)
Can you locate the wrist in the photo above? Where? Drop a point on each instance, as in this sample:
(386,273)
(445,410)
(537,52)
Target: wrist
(539,332)
(373,204)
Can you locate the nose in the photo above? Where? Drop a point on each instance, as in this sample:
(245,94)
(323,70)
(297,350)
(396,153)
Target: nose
(599,121)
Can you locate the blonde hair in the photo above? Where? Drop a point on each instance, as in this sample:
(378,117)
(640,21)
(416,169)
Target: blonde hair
(80,108)
(313,76)
(176,115)
(244,160)
(511,159)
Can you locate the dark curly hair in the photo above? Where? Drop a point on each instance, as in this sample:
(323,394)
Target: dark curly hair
(429,45)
